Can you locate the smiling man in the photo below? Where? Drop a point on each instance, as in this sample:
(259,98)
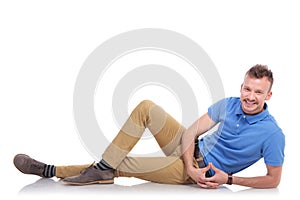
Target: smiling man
(246,133)
(255,90)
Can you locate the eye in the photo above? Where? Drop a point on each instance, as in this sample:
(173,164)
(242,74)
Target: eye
(247,89)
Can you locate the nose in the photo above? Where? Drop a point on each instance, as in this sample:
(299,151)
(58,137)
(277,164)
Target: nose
(251,96)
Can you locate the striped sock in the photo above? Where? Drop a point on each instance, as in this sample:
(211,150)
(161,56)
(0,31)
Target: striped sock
(49,171)
(102,165)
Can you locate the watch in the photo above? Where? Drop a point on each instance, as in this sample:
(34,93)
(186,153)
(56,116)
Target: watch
(229,180)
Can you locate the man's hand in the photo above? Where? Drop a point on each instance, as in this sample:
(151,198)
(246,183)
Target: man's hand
(198,175)
(270,180)
(220,176)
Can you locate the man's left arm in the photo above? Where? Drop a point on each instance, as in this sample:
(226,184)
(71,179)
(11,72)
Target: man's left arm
(270,180)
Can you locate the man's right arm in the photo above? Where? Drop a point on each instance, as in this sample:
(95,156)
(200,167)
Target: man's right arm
(203,124)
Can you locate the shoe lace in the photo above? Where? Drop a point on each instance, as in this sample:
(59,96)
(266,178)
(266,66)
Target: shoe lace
(84,170)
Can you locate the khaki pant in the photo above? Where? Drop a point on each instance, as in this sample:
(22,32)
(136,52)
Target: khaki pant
(167,132)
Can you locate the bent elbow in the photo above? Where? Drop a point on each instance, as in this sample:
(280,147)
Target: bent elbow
(274,184)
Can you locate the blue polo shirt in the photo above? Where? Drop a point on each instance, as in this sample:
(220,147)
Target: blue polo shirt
(241,139)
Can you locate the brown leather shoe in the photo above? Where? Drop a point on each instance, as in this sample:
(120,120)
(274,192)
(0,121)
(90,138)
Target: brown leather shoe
(28,165)
(91,175)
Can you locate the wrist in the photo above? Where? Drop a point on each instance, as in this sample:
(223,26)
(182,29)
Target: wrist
(190,169)
(229,179)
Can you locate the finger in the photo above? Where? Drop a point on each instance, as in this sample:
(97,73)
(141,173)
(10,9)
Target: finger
(207,167)
(208,185)
(209,179)
(212,184)
(213,167)
(202,185)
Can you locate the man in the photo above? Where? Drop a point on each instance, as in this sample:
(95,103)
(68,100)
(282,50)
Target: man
(245,133)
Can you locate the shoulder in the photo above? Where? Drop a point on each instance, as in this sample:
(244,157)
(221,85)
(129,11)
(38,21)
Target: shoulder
(232,101)
(228,104)
(273,126)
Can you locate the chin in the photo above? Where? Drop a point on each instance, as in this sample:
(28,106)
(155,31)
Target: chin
(248,110)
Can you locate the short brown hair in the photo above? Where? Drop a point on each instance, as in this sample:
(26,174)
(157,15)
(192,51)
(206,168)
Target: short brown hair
(260,71)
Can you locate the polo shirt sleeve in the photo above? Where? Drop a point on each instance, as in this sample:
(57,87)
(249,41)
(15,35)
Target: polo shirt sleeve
(273,149)
(217,110)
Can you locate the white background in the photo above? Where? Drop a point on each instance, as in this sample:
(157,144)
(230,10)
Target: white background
(43,45)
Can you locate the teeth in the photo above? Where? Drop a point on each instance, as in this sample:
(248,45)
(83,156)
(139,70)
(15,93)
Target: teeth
(249,102)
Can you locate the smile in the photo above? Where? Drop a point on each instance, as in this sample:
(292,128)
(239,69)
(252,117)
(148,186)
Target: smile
(249,103)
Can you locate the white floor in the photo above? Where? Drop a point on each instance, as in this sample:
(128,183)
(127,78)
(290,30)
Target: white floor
(134,187)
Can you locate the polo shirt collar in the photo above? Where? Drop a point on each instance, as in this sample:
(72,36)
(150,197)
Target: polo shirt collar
(253,118)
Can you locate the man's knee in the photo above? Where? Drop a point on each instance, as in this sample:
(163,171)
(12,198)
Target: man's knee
(146,104)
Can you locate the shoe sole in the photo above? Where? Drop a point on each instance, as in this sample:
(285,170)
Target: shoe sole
(89,183)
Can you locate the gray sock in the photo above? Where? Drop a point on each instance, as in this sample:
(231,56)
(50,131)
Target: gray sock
(102,165)
(49,171)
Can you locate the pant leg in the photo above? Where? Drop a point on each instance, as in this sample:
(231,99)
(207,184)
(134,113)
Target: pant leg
(168,170)
(166,130)
(69,170)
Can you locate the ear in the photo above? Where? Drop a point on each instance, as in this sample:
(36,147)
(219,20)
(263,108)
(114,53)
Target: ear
(241,87)
(269,95)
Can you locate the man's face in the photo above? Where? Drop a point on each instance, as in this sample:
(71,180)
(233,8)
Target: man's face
(254,92)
